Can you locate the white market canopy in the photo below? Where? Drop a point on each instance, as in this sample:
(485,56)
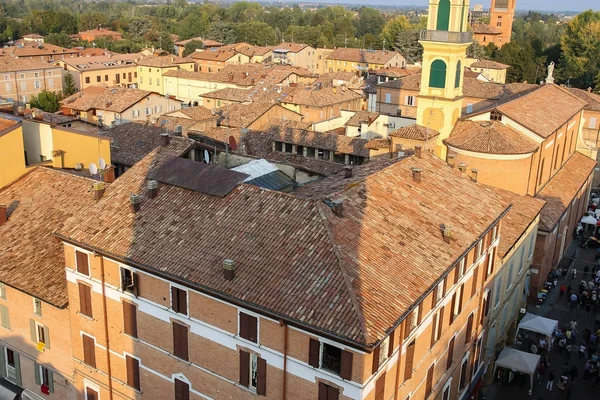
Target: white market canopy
(535,323)
(520,361)
(588,219)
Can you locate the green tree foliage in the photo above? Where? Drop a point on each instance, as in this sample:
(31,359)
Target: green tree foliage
(223,32)
(580,46)
(370,21)
(59,39)
(393,27)
(407,43)
(256,33)
(69,85)
(46,101)
(525,64)
(192,46)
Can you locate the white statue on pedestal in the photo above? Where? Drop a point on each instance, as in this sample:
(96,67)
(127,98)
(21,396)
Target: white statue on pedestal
(550,78)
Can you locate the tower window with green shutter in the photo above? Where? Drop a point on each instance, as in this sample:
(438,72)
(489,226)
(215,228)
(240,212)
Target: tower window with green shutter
(437,76)
(458,72)
(443,16)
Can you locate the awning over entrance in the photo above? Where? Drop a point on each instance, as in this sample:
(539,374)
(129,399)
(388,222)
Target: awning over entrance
(535,323)
(9,391)
(517,360)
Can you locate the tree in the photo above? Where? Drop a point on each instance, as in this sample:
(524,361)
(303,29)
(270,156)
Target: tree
(393,27)
(407,43)
(580,44)
(59,39)
(370,21)
(46,101)
(191,47)
(222,32)
(69,87)
(476,50)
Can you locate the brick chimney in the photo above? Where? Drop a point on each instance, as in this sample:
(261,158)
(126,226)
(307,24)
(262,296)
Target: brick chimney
(418,150)
(399,150)
(416,173)
(474,172)
(109,174)
(338,208)
(450,160)
(3,214)
(165,139)
(447,233)
(462,167)
(347,171)
(228,269)
(135,200)
(98,190)
(152,189)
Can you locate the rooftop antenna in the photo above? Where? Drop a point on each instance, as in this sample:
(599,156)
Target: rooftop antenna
(93,169)
(101,163)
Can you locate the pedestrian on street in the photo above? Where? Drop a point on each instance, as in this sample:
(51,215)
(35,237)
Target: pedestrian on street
(573,300)
(568,353)
(587,370)
(563,290)
(550,381)
(581,351)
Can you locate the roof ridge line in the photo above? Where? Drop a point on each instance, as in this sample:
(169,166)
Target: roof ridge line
(336,251)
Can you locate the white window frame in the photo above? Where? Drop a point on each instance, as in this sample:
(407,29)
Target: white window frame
(462,361)
(41,368)
(6,349)
(39,326)
(37,84)
(414,318)
(243,311)
(384,347)
(36,74)
(490,263)
(253,367)
(447,386)
(8,86)
(461,267)
(187,300)
(409,100)
(88,384)
(479,249)
(89,275)
(440,291)
(7,77)
(388,98)
(21,76)
(37,301)
(2,291)
(495,232)
(458,293)
(592,125)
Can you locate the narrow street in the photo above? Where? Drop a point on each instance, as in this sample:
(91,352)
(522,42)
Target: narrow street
(557,308)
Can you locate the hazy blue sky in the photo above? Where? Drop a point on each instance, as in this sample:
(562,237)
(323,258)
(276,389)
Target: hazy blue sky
(547,5)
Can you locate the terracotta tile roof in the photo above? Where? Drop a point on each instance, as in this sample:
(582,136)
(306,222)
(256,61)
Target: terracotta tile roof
(32,259)
(362,116)
(243,75)
(485,29)
(116,99)
(488,64)
(34,49)
(217,134)
(544,110)
(560,191)
(252,51)
(395,72)
(494,91)
(315,97)
(362,56)
(491,137)
(9,64)
(415,132)
(410,82)
(133,141)
(354,277)
(242,115)
(214,54)
(102,61)
(205,42)
(329,79)
(291,47)
(524,211)
(592,99)
(378,144)
(8,124)
(163,61)
(273,122)
(100,32)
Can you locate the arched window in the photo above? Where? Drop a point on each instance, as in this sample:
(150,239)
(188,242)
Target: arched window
(458,71)
(462,16)
(443,15)
(437,77)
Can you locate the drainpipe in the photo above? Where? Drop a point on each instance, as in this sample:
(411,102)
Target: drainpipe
(108,368)
(285,350)
(17,97)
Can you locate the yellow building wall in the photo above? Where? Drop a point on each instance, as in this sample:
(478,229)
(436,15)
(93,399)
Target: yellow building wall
(12,156)
(494,75)
(151,78)
(78,147)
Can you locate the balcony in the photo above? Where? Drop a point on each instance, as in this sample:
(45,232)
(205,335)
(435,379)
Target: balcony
(446,37)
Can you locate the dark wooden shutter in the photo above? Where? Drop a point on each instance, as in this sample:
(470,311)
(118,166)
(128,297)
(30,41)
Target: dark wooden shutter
(89,351)
(441,322)
(434,297)
(180,341)
(469,329)
(346,365)
(380,387)
(322,391)
(182,301)
(475,279)
(261,376)
(434,330)
(460,299)
(391,344)
(408,362)
(314,353)
(375,359)
(82,262)
(420,314)
(129,319)
(174,299)
(450,353)
(133,372)
(244,368)
(91,394)
(456,274)
(85,300)
(182,390)
(483,311)
(453,308)
(429,384)
(248,327)
(333,393)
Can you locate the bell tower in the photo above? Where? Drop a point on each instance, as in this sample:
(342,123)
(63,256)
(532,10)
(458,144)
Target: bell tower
(445,43)
(502,14)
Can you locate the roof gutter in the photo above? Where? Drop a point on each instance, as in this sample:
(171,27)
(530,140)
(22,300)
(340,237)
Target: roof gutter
(221,296)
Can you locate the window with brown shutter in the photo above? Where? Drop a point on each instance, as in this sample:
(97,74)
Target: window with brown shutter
(484,309)
(440,322)
(89,351)
(182,390)
(248,327)
(91,394)
(180,341)
(408,362)
(391,344)
(314,353)
(434,331)
(452,315)
(261,376)
(346,365)
(130,319)
(475,278)
(420,314)
(375,367)
(179,300)
(429,382)
(380,387)
(460,298)
(327,392)
(82,262)
(133,372)
(469,329)
(434,297)
(456,275)
(450,353)
(463,374)
(85,300)
(244,368)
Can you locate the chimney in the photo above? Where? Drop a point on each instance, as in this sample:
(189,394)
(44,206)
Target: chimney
(416,173)
(447,233)
(347,171)
(450,160)
(109,174)
(164,139)
(462,167)
(334,90)
(228,269)
(399,150)
(338,208)
(3,216)
(474,172)
(418,149)
(589,90)
(152,189)
(135,201)
(98,190)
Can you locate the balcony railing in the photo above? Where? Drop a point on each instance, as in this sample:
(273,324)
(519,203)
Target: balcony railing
(447,37)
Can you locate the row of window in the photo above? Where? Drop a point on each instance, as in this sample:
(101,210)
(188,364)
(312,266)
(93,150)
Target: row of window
(117,77)
(320,154)
(8,77)
(10,368)
(23,85)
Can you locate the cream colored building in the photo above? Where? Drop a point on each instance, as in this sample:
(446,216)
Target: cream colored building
(491,70)
(299,55)
(104,70)
(20,79)
(151,70)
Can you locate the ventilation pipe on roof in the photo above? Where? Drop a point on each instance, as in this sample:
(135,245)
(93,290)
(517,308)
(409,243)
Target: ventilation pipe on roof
(337,206)
(165,139)
(462,167)
(228,269)
(416,173)
(3,214)
(98,190)
(136,202)
(152,189)
(347,171)
(399,150)
(450,160)
(418,150)
(447,233)
(109,174)
(474,172)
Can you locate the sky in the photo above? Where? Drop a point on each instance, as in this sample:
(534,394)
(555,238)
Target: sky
(543,5)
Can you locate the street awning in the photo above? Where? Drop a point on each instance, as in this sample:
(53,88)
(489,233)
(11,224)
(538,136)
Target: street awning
(9,391)
(517,360)
(589,220)
(535,323)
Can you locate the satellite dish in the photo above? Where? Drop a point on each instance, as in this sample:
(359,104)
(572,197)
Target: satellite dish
(101,163)
(206,156)
(93,169)
(232,143)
